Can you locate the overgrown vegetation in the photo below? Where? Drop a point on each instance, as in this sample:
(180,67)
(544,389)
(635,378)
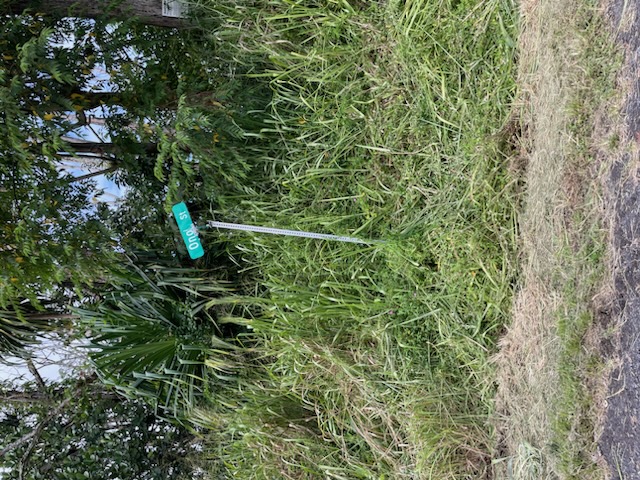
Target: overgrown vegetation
(80,430)
(383,121)
(386,122)
(300,358)
(152,332)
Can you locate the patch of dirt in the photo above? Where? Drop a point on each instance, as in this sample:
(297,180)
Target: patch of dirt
(620,438)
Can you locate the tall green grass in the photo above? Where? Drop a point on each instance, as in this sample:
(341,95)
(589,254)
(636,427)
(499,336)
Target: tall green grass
(386,122)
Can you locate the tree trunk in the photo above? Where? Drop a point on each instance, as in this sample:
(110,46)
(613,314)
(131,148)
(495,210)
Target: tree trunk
(148,12)
(91,175)
(86,100)
(106,150)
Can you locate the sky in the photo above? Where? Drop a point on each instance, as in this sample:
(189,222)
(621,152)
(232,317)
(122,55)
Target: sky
(51,358)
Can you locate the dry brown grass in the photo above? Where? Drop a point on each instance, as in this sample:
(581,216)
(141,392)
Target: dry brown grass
(561,216)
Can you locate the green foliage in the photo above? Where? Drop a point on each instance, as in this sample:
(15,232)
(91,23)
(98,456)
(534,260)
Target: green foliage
(385,123)
(18,330)
(191,151)
(97,434)
(185,94)
(152,333)
(164,94)
(47,235)
(381,121)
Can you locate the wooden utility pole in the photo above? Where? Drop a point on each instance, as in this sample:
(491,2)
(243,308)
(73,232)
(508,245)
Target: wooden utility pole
(148,12)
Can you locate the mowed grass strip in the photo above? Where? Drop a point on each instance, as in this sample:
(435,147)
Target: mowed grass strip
(388,122)
(550,373)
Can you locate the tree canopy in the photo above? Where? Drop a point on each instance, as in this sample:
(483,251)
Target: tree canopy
(79,429)
(87,93)
(149,108)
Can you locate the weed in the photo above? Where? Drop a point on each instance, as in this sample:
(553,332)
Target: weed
(384,124)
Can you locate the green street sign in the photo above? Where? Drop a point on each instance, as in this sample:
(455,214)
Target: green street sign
(188,230)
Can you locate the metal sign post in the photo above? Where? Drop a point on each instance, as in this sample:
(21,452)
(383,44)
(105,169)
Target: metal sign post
(290,233)
(194,247)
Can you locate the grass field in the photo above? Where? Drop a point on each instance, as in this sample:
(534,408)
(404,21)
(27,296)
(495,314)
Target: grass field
(398,122)
(388,122)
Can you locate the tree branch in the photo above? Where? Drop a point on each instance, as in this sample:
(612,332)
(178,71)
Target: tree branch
(36,432)
(26,458)
(92,174)
(16,396)
(52,316)
(34,371)
(24,461)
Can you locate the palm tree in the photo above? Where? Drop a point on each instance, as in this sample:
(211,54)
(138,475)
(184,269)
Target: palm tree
(154,333)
